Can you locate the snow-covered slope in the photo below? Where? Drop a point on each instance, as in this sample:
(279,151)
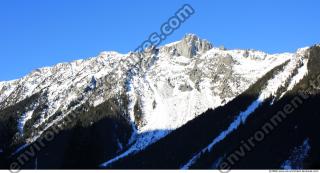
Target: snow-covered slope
(214,137)
(296,63)
(166,87)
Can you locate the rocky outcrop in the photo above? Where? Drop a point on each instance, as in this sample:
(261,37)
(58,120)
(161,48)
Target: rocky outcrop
(190,46)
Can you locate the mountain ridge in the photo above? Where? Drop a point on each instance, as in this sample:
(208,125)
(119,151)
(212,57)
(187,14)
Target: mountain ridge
(150,94)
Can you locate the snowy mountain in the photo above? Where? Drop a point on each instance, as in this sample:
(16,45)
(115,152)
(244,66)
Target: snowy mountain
(116,108)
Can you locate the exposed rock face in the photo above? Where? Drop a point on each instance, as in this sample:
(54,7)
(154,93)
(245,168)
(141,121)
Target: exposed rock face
(190,46)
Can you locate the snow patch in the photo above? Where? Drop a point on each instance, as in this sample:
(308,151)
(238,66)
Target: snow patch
(302,72)
(19,149)
(297,157)
(23,119)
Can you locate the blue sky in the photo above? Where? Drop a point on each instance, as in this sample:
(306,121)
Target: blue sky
(37,33)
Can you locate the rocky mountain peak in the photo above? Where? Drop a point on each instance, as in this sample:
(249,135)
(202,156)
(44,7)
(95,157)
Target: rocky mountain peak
(189,46)
(192,44)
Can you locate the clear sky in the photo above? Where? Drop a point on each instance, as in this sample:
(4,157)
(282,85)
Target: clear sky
(37,33)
